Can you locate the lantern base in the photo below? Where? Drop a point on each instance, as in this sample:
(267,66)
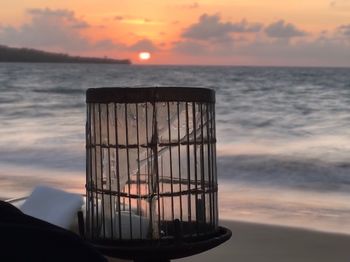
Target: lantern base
(152,260)
(163,250)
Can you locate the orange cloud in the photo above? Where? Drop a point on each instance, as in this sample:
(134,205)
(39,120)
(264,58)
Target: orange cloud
(281,29)
(211,27)
(54,29)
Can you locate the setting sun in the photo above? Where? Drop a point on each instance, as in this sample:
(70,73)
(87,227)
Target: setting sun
(144,56)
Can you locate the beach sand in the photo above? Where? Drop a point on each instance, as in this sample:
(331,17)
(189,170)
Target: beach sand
(264,243)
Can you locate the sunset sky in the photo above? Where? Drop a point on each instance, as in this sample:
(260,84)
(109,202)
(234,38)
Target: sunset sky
(223,32)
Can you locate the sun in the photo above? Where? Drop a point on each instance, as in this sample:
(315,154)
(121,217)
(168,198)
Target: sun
(144,56)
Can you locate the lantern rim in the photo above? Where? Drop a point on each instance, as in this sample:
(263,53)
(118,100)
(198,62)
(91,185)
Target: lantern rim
(149,94)
(152,250)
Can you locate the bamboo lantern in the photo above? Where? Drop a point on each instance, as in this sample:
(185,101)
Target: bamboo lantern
(151,177)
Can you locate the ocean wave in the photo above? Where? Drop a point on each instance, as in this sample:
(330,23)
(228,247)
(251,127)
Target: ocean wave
(60,90)
(283,171)
(49,158)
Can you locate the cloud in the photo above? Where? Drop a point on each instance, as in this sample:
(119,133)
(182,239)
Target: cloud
(63,14)
(119,18)
(190,48)
(60,30)
(139,46)
(143,45)
(280,43)
(344,30)
(210,27)
(108,44)
(321,51)
(48,28)
(340,4)
(136,20)
(49,12)
(281,29)
(193,5)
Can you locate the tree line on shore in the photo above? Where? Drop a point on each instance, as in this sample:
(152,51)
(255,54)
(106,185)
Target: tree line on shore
(11,54)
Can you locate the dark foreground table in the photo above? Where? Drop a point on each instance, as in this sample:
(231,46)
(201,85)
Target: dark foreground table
(25,238)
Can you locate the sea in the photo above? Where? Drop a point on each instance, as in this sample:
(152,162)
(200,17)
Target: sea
(283,148)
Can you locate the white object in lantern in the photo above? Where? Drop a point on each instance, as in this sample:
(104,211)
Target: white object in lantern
(53,205)
(139,224)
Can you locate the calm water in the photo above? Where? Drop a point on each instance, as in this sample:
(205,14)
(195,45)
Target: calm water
(283,134)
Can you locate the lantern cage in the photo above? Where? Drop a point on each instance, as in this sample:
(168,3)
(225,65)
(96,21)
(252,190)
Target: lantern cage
(151,183)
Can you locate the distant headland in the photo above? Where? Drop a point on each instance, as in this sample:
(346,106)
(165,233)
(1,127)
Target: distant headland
(11,54)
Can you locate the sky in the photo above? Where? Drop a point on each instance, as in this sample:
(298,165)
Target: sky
(208,32)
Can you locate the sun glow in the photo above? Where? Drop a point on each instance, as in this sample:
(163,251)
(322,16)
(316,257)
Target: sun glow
(144,56)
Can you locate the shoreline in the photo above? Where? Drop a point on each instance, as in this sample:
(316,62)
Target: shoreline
(253,242)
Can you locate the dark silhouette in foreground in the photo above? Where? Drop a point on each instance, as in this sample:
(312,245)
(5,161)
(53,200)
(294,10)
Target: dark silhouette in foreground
(25,238)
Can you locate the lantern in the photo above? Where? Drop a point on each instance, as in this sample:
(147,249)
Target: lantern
(151,181)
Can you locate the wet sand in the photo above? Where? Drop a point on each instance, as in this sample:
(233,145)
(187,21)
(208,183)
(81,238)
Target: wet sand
(264,243)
